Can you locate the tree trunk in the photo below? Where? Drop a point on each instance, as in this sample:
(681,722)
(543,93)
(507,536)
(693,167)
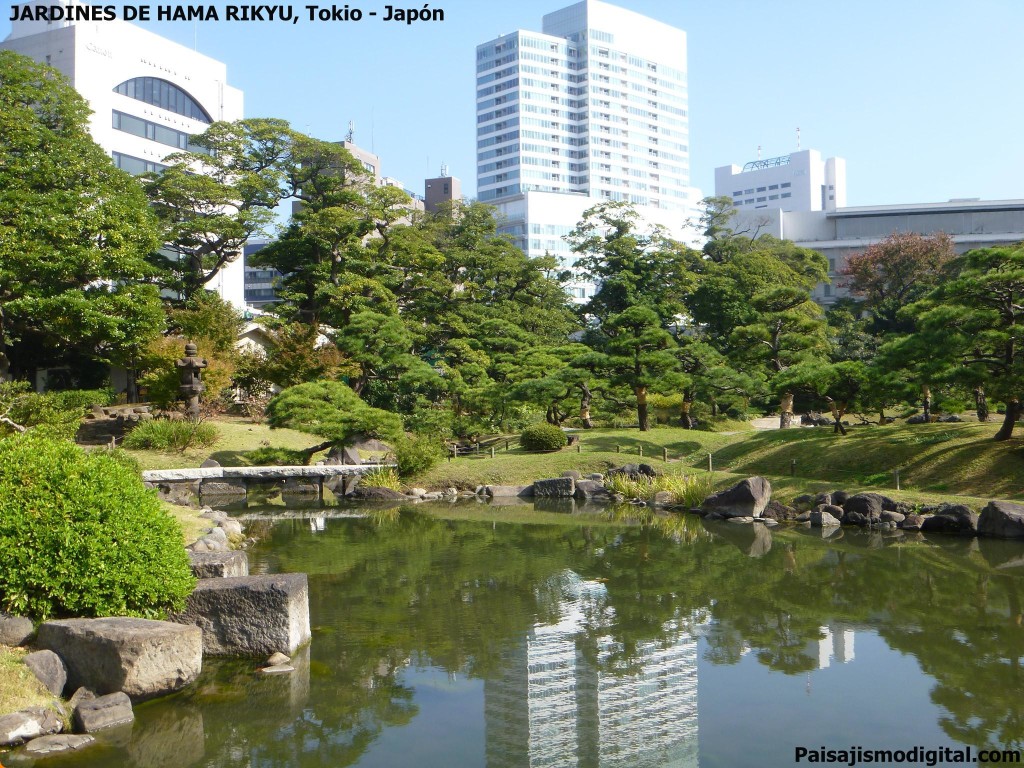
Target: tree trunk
(838,411)
(685,420)
(132,387)
(1012,414)
(786,411)
(981,404)
(641,409)
(714,409)
(585,399)
(926,403)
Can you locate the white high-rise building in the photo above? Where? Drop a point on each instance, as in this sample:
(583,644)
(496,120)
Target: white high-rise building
(800,181)
(147,94)
(593,108)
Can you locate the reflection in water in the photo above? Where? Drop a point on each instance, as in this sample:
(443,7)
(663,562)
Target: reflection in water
(556,702)
(579,644)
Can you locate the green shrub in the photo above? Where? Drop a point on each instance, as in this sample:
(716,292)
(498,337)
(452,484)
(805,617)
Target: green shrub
(56,414)
(277,457)
(384,477)
(417,454)
(165,435)
(81,536)
(542,437)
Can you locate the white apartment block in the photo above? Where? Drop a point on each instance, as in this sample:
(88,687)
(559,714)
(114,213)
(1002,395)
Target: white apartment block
(147,94)
(801,181)
(592,108)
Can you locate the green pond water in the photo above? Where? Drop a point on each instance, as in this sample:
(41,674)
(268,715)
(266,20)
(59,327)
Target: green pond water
(530,639)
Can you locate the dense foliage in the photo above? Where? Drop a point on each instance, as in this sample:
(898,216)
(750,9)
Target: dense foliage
(81,536)
(167,435)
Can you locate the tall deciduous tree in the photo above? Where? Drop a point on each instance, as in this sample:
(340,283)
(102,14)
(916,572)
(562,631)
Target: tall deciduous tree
(74,230)
(891,274)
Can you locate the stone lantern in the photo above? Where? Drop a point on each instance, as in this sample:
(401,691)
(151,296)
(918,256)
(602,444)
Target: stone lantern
(190,371)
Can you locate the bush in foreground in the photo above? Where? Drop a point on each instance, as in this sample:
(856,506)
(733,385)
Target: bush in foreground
(417,454)
(542,437)
(81,536)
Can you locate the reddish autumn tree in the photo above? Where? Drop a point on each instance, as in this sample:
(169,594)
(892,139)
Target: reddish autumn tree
(895,272)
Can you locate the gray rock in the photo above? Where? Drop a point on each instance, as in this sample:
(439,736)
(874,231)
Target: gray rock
(19,727)
(49,669)
(209,463)
(141,657)
(591,489)
(575,474)
(664,498)
(803,517)
(739,520)
(856,518)
(893,517)
(596,476)
(634,471)
(217,565)
(434,496)
(231,527)
(557,487)
(952,518)
(214,514)
(778,511)
(494,491)
(300,487)
(825,515)
(747,498)
(108,711)
(912,523)
(15,630)
(50,745)
(804,502)
(211,544)
(839,497)
(250,615)
(278,658)
(868,504)
(277,669)
(1002,519)
(217,534)
(418,492)
(822,498)
(82,694)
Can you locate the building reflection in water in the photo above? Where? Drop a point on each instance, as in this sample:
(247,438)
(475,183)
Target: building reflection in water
(558,702)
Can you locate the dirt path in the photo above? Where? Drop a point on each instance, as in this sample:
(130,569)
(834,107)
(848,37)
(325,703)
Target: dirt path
(768,422)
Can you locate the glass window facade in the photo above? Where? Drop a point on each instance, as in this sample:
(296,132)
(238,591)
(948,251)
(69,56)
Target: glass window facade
(165,95)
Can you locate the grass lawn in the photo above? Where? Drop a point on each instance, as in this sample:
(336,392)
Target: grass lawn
(237,435)
(955,462)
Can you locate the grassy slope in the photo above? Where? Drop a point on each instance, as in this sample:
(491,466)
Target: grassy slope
(935,461)
(237,437)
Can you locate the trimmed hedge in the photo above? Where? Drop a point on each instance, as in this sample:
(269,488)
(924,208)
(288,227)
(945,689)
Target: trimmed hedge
(81,536)
(543,437)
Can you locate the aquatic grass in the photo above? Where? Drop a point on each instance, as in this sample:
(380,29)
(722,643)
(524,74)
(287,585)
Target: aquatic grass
(687,490)
(384,477)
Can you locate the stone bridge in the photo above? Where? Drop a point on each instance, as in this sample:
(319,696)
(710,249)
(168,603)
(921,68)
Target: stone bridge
(230,485)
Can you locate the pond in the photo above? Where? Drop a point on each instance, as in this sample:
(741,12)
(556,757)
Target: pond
(534,639)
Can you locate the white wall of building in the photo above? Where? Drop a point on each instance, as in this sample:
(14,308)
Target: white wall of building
(800,181)
(99,56)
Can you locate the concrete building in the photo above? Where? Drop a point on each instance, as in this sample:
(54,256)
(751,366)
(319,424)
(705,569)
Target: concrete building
(801,181)
(839,233)
(147,94)
(443,189)
(592,108)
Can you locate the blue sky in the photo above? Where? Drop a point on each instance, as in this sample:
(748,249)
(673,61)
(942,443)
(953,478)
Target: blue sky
(921,97)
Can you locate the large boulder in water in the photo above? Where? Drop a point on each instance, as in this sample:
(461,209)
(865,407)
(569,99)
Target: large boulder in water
(748,498)
(1002,519)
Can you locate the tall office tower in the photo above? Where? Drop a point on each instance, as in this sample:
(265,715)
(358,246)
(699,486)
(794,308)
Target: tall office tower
(801,181)
(147,94)
(592,108)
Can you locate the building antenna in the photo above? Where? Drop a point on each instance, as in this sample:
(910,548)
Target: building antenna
(758,151)
(350,137)
(798,138)
(444,169)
